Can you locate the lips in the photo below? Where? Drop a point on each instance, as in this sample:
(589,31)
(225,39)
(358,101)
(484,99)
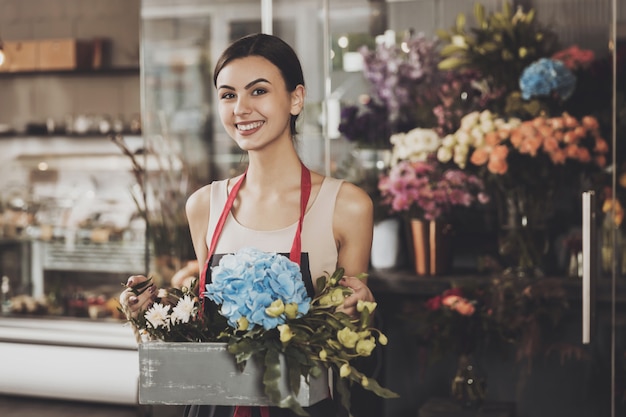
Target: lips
(249,127)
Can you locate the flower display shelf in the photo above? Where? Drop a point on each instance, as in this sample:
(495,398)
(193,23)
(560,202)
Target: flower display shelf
(206,373)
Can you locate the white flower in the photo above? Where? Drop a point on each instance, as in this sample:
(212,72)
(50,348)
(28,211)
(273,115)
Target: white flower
(487,126)
(469,120)
(448,141)
(184,310)
(414,145)
(477,134)
(463,137)
(444,154)
(485,115)
(157,316)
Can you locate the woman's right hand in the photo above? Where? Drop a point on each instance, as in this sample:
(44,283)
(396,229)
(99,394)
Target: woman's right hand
(133,303)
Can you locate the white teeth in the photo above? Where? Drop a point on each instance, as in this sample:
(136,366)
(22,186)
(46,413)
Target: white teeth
(249,126)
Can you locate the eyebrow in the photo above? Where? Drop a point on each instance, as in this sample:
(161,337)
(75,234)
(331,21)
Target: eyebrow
(247,86)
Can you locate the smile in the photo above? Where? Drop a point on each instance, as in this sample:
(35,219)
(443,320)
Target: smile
(249,126)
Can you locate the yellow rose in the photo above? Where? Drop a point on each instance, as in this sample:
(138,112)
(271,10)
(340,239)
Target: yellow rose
(276,308)
(369,305)
(291,310)
(285,333)
(242,323)
(364,347)
(365,381)
(382,339)
(345,370)
(323,354)
(347,337)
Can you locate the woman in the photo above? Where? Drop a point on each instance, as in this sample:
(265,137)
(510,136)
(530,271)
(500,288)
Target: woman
(278,205)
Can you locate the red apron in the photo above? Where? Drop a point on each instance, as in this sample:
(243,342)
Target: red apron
(294,255)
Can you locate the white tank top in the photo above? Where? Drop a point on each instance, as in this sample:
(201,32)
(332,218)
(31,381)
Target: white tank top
(318,240)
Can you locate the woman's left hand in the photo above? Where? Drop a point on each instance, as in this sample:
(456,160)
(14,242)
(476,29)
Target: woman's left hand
(360,291)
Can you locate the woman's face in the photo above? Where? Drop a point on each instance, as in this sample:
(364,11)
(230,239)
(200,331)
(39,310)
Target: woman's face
(254,104)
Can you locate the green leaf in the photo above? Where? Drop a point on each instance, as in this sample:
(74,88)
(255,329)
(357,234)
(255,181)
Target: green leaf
(451,49)
(343,390)
(293,367)
(452,63)
(443,35)
(291,403)
(460,22)
(507,10)
(271,376)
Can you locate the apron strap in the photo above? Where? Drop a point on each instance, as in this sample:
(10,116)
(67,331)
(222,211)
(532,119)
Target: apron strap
(296,247)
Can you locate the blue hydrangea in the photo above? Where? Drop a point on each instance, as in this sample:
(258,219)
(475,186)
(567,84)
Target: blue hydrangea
(545,76)
(245,283)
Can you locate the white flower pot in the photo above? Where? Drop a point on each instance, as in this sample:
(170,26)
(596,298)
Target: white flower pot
(386,244)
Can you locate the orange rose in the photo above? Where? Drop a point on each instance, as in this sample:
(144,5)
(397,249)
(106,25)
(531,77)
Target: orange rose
(556,123)
(464,307)
(492,138)
(517,137)
(600,160)
(569,121)
(479,157)
(550,144)
(530,145)
(497,166)
(590,122)
(601,145)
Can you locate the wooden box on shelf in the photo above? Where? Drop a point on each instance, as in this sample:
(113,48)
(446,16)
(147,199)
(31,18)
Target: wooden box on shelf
(206,373)
(63,54)
(20,56)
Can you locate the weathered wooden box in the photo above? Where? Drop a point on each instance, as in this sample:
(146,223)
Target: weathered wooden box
(205,373)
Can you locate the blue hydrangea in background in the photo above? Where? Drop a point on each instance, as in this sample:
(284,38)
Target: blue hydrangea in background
(547,76)
(249,281)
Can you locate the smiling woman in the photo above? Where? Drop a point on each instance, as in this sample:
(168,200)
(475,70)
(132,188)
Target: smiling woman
(321,223)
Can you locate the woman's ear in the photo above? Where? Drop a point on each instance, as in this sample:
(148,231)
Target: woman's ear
(297,99)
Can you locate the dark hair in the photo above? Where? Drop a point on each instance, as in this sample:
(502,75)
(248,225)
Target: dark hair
(272,48)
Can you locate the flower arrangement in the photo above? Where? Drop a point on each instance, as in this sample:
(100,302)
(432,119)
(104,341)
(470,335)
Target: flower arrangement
(500,46)
(366,124)
(546,77)
(402,79)
(532,151)
(470,317)
(264,313)
(415,145)
(425,190)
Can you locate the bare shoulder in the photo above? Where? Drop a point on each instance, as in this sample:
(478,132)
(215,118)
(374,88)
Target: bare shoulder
(353,201)
(199,202)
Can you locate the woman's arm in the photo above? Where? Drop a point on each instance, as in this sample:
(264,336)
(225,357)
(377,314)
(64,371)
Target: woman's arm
(353,224)
(197,210)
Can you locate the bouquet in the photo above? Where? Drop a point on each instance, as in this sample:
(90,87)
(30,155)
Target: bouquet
(426,190)
(264,312)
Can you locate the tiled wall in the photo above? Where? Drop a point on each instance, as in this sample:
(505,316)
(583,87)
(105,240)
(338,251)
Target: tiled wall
(25,99)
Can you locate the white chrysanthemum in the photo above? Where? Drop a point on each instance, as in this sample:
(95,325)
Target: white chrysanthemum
(448,141)
(477,134)
(487,126)
(485,115)
(469,120)
(157,316)
(184,310)
(463,138)
(444,154)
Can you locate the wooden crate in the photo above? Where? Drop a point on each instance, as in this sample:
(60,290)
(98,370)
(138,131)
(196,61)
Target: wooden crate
(205,373)
(20,56)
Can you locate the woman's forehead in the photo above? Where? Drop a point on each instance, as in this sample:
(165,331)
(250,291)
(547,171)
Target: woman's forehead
(247,69)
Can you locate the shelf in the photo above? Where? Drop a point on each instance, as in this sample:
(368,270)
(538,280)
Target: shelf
(114,71)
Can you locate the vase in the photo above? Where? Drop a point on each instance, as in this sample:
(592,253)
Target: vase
(432,246)
(523,240)
(468,385)
(386,244)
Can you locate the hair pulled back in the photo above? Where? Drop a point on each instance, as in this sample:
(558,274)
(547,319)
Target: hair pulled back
(272,48)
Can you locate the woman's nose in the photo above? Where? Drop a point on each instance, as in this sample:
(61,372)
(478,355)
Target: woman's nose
(242,106)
